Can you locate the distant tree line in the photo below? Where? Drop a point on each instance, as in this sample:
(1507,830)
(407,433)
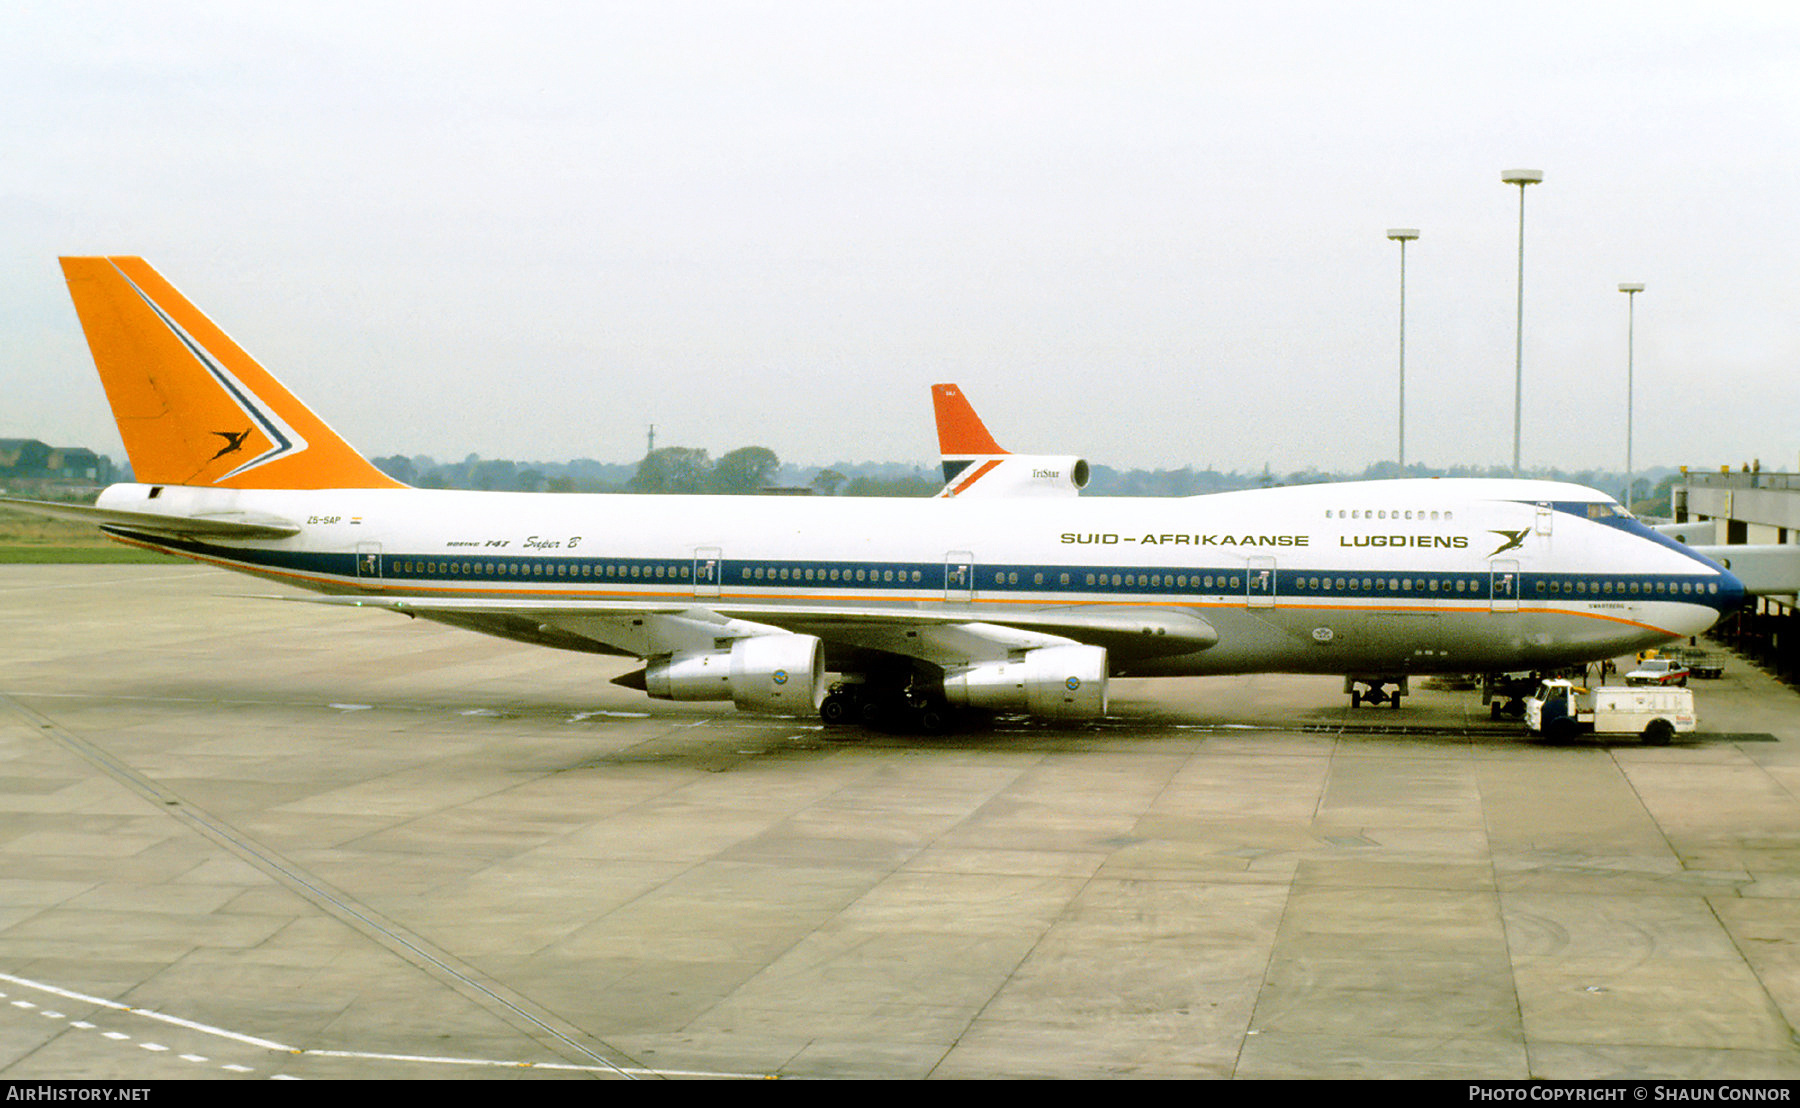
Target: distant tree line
(756,469)
(671,469)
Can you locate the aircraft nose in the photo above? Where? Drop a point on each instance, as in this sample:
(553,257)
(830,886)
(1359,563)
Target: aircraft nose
(1728,598)
(1731,592)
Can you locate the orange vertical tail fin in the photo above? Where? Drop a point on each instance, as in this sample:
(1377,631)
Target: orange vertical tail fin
(962,438)
(960,431)
(192,406)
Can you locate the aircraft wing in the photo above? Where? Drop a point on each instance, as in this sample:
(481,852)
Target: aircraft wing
(230,525)
(933,635)
(951,638)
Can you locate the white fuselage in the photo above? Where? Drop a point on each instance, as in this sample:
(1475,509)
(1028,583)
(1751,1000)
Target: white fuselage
(1394,576)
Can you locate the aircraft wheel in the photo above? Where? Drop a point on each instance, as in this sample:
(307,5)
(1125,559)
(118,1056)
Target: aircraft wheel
(871,712)
(931,719)
(1494,709)
(838,709)
(1658,733)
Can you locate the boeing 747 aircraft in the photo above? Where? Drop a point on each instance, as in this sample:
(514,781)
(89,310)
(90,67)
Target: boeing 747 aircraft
(920,606)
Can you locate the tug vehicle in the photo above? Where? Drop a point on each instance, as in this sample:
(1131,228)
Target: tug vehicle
(1560,709)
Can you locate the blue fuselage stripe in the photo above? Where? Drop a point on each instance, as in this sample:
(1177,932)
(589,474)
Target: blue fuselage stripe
(748,577)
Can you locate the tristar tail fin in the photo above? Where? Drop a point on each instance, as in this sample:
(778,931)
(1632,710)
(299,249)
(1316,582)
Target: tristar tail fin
(192,407)
(962,438)
(970,455)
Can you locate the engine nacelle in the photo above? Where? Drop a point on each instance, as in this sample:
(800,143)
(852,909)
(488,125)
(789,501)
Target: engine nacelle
(1061,682)
(1055,474)
(762,673)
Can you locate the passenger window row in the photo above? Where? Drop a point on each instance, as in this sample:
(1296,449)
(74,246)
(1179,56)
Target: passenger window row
(1160,580)
(412,567)
(1391,584)
(759,574)
(1415,514)
(1543,587)
(1557,587)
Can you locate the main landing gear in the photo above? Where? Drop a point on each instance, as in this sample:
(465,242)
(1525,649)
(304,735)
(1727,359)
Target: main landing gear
(1375,690)
(886,706)
(1505,693)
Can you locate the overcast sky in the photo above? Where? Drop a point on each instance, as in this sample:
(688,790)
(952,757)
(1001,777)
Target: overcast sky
(1149,233)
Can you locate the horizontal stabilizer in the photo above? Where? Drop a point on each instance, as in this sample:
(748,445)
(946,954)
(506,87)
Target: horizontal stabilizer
(233,525)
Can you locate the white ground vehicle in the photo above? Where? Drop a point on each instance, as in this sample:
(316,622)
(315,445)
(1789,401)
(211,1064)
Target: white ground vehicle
(1658,671)
(1560,709)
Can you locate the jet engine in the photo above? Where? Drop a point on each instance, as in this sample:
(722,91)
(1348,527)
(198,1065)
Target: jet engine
(1052,474)
(1061,682)
(761,673)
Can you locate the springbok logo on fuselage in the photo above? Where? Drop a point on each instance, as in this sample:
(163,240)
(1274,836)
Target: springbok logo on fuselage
(1514,540)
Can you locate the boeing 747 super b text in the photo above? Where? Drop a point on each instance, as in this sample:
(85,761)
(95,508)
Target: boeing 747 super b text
(1022,603)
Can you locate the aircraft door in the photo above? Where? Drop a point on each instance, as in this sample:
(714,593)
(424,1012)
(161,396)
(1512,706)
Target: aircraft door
(709,570)
(1503,585)
(1259,584)
(959,576)
(368,561)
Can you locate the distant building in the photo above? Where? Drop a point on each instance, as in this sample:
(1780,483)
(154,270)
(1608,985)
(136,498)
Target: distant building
(1758,508)
(1745,507)
(31,460)
(23,458)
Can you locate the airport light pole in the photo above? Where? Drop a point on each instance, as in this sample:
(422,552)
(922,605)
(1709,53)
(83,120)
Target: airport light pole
(1630,290)
(1403,235)
(1520,177)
